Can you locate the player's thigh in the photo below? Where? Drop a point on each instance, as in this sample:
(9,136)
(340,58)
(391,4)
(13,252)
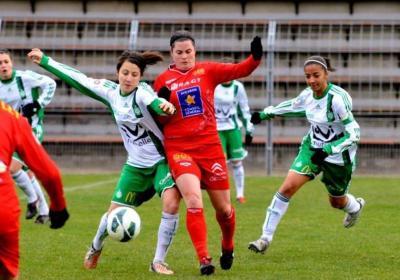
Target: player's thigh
(220,200)
(214,174)
(336,178)
(134,186)
(302,163)
(235,149)
(162,179)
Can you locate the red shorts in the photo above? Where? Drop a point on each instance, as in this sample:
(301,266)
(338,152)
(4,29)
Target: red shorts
(210,168)
(9,253)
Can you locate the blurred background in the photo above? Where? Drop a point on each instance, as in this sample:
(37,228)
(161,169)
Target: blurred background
(362,39)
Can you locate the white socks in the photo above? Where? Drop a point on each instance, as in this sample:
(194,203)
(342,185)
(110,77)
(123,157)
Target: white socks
(275,212)
(166,231)
(23,181)
(352,205)
(101,234)
(43,207)
(238,177)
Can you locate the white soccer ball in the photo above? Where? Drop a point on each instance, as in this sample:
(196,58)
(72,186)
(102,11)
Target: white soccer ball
(123,224)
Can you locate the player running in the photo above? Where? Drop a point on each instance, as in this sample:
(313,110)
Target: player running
(146,172)
(27,92)
(231,107)
(329,147)
(193,148)
(16,136)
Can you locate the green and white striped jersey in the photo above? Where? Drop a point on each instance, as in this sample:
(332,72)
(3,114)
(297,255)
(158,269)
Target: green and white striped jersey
(333,126)
(140,133)
(23,88)
(231,104)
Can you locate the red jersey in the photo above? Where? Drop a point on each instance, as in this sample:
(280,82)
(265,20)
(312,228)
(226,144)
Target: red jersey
(16,136)
(192,93)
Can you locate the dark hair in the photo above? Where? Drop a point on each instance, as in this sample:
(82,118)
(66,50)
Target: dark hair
(140,59)
(322,61)
(179,36)
(5,51)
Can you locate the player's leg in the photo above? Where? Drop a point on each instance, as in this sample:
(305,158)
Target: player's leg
(43,210)
(337,181)
(236,153)
(187,177)
(165,187)
(301,171)
(133,188)
(215,180)
(23,181)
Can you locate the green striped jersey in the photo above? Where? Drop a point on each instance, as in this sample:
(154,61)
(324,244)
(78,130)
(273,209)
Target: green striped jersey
(333,126)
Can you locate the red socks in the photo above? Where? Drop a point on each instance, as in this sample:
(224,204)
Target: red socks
(197,228)
(227,224)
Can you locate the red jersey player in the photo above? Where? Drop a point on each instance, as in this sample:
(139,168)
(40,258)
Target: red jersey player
(192,144)
(16,136)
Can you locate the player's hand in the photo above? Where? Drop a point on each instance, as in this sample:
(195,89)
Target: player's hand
(58,218)
(165,93)
(255,118)
(31,109)
(168,108)
(35,55)
(248,139)
(256,48)
(319,156)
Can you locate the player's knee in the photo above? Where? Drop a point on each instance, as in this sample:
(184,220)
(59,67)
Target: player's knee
(337,202)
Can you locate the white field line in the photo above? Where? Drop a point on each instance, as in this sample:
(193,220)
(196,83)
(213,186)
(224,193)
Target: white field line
(81,187)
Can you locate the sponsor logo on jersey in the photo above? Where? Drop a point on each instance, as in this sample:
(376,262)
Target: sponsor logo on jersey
(190,101)
(170,81)
(199,72)
(176,86)
(217,169)
(181,156)
(164,180)
(130,197)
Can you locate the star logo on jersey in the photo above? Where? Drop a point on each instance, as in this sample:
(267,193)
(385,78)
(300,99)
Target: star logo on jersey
(190,100)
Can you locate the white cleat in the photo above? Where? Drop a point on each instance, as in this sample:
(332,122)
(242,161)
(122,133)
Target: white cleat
(351,218)
(161,268)
(259,246)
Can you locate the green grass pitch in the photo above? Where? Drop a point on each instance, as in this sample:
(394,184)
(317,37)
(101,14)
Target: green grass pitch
(310,242)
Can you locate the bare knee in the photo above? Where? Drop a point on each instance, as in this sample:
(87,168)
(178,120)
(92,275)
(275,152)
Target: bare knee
(171,199)
(338,202)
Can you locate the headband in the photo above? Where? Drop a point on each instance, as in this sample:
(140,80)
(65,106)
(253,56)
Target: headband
(315,61)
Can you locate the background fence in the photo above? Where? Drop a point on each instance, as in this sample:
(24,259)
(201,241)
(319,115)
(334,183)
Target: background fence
(81,133)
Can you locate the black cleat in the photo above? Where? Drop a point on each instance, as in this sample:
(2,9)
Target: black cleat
(31,210)
(226,259)
(206,266)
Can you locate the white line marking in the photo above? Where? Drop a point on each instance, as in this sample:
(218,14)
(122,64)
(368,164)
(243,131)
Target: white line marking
(84,187)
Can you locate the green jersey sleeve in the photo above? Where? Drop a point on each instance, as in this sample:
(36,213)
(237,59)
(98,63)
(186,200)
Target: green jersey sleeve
(94,88)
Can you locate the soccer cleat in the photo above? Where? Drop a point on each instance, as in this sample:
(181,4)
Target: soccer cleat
(161,268)
(31,210)
(350,219)
(206,266)
(42,219)
(226,259)
(259,246)
(241,200)
(91,258)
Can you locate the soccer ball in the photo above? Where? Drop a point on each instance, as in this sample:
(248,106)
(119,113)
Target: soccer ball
(123,224)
